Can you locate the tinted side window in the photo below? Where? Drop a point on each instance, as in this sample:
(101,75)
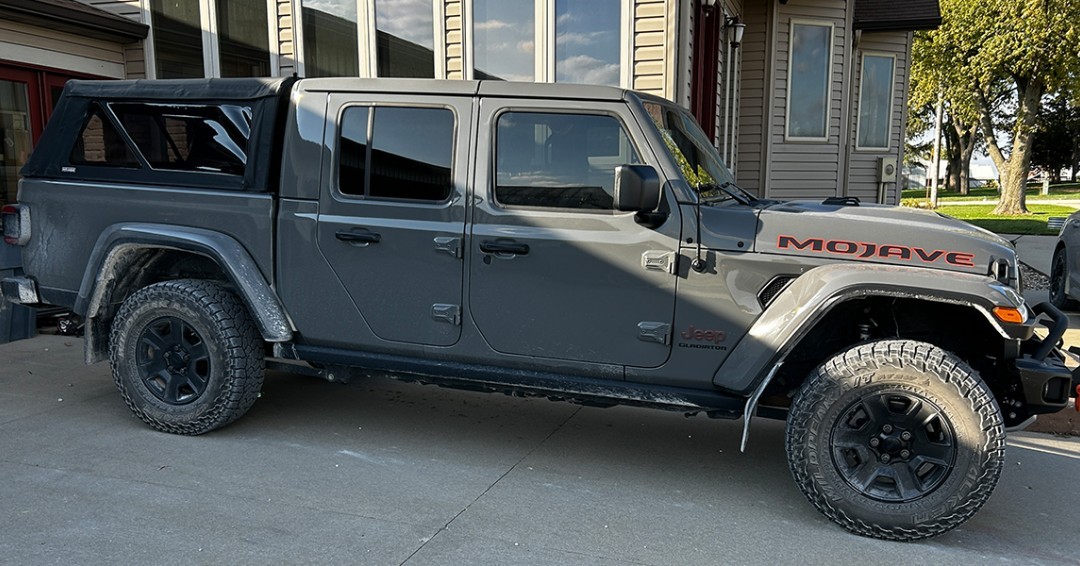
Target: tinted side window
(352,151)
(100,144)
(408,155)
(559,160)
(189,138)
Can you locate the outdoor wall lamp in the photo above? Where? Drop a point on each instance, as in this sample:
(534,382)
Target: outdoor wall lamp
(736,27)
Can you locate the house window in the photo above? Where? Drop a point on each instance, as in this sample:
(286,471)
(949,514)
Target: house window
(243,41)
(390,164)
(178,39)
(875,101)
(504,39)
(559,160)
(587,36)
(212,38)
(330,38)
(405,38)
(809,71)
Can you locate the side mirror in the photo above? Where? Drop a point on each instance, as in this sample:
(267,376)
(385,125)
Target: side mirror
(637,188)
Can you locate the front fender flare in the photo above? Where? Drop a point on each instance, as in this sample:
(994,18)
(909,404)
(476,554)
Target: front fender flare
(810,297)
(121,240)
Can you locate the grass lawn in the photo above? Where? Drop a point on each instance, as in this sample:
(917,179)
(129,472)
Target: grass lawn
(1062,191)
(1034,223)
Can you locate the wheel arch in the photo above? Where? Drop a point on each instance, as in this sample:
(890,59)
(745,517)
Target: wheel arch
(811,298)
(128,257)
(821,297)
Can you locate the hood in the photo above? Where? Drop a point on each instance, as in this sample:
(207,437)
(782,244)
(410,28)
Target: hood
(881,234)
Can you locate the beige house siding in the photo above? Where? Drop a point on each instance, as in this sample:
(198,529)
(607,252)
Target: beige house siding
(134,53)
(652,68)
(863,164)
(454,37)
(287,59)
(59,50)
(754,86)
(808,169)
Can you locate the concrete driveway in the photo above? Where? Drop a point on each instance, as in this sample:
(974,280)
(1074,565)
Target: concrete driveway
(381,472)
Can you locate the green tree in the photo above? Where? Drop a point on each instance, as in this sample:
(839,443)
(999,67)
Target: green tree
(1057,137)
(1026,48)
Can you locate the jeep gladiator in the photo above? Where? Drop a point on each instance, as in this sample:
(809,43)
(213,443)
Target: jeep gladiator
(576,242)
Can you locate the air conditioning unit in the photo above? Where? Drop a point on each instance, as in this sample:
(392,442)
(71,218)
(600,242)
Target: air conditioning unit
(887,169)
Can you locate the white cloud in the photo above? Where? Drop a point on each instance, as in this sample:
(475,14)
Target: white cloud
(492,24)
(527,47)
(341,8)
(587,70)
(410,20)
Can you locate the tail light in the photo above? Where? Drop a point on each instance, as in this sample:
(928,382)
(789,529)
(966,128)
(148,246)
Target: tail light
(15,221)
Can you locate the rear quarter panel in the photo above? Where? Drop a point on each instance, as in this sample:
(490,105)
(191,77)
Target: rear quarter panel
(67,217)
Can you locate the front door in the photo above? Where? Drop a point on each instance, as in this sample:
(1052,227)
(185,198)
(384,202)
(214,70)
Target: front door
(392,221)
(555,272)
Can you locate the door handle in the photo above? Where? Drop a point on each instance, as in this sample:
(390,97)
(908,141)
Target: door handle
(504,248)
(358,238)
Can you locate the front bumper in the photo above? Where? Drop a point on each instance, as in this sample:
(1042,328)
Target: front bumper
(1046,383)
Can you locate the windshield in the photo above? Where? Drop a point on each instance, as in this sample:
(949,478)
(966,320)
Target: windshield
(698,161)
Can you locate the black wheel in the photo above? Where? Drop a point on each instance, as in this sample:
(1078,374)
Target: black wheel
(896,440)
(1059,271)
(186,356)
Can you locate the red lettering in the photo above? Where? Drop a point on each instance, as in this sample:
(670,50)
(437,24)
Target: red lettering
(895,251)
(928,257)
(842,247)
(960,259)
(785,242)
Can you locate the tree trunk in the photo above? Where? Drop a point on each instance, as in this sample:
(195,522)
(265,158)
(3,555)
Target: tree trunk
(1014,170)
(966,139)
(952,155)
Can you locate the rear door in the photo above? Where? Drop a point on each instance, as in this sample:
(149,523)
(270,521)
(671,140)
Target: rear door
(555,272)
(392,220)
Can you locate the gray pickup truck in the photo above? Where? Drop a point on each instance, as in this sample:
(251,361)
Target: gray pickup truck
(580,243)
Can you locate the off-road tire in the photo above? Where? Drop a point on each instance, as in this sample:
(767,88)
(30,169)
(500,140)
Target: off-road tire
(217,344)
(1059,271)
(824,420)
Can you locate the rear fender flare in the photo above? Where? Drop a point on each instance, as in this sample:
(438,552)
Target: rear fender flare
(116,245)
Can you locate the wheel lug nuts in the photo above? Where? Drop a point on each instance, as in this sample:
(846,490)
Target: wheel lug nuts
(887,428)
(905,453)
(885,458)
(874,442)
(905,435)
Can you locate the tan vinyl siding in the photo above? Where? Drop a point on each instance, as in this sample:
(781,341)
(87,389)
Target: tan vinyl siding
(454,36)
(65,51)
(821,178)
(134,53)
(754,91)
(651,65)
(286,39)
(863,164)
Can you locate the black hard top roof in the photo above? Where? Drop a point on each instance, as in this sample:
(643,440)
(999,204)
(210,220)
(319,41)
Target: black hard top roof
(178,89)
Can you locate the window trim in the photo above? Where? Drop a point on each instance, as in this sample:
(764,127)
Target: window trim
(828,80)
(892,96)
(493,172)
(335,182)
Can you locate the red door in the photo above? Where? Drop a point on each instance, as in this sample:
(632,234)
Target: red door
(27,98)
(21,122)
